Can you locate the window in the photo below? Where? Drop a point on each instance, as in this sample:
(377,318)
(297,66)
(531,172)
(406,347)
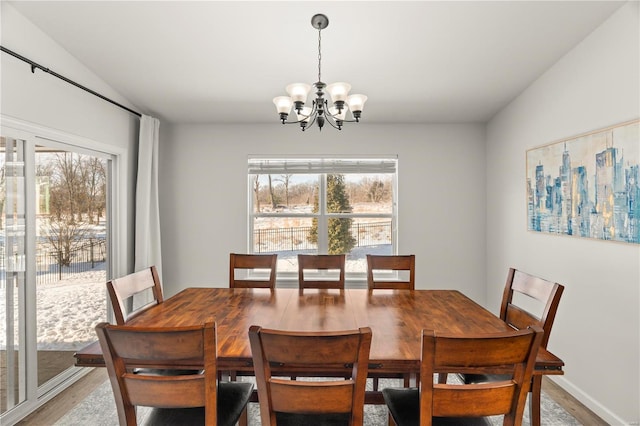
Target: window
(324,206)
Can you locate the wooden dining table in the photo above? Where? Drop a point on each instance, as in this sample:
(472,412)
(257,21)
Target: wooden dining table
(396,318)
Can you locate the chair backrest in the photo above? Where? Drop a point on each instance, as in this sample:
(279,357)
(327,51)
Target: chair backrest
(512,353)
(128,348)
(397,263)
(246,264)
(545,292)
(322,264)
(122,292)
(344,352)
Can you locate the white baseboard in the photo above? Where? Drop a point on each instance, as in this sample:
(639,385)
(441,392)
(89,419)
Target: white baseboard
(600,410)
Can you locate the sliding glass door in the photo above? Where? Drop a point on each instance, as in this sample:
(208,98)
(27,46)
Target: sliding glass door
(12,273)
(54,228)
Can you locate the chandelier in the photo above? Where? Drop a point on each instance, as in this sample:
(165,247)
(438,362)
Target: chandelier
(319,112)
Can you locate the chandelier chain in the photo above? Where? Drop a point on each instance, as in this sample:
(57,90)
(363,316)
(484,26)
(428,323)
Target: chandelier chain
(319,52)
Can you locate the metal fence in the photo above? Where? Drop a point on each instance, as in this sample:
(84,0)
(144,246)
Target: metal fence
(83,258)
(297,238)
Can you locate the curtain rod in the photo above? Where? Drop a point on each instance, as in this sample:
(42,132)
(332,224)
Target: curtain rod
(35,65)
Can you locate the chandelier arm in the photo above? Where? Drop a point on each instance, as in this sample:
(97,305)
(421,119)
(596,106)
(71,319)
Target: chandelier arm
(332,121)
(314,112)
(348,121)
(300,121)
(310,123)
(328,116)
(354,120)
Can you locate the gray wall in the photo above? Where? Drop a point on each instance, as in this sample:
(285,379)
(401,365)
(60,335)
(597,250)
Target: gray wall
(441,219)
(597,328)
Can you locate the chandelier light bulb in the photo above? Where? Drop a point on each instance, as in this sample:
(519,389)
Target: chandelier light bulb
(338,91)
(356,102)
(283,104)
(298,92)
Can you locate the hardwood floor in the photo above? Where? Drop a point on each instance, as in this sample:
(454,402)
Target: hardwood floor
(571,405)
(61,404)
(53,410)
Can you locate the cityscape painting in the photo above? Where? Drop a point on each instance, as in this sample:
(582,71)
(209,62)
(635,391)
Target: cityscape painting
(588,185)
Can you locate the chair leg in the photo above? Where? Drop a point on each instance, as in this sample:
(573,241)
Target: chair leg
(244,418)
(442,378)
(375,384)
(534,400)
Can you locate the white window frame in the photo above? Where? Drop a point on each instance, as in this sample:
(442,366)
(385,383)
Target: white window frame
(323,166)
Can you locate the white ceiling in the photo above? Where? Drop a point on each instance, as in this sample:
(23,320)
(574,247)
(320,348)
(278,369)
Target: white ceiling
(223,62)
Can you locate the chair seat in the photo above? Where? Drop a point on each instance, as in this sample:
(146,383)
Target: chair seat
(483,378)
(289,419)
(404,407)
(175,416)
(165,372)
(232,399)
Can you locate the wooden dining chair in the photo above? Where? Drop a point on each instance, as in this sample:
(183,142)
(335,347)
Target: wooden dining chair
(513,352)
(327,271)
(379,268)
(311,401)
(522,288)
(124,293)
(400,264)
(188,399)
(249,271)
(252,270)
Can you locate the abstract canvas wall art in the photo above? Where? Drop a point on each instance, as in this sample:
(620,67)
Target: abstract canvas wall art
(587,185)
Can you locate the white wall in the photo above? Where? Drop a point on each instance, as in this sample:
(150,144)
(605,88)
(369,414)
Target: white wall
(596,331)
(203,199)
(48,101)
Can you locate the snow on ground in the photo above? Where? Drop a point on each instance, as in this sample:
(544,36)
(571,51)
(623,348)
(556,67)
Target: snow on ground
(67,311)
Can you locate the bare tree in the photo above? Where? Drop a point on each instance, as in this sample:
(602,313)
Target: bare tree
(256,191)
(65,236)
(376,191)
(94,178)
(285,181)
(66,186)
(274,200)
(77,201)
